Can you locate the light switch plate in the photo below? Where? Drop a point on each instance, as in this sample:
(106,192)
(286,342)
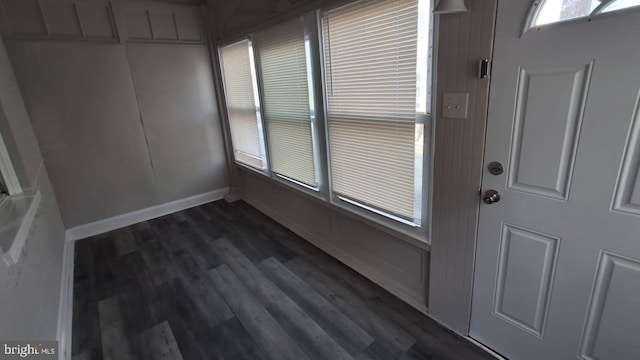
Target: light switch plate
(454,105)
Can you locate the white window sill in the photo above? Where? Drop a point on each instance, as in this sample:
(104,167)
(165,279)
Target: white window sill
(418,237)
(17,215)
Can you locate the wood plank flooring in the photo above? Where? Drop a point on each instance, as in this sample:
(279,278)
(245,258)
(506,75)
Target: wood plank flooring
(223,281)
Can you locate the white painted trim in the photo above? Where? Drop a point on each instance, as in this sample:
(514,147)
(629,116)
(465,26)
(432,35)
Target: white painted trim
(65,307)
(134,217)
(343,257)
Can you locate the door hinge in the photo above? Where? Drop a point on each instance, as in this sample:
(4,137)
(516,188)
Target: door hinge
(485,69)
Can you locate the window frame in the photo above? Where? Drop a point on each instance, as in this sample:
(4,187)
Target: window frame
(321,192)
(259,111)
(313,31)
(317,124)
(265,126)
(421,232)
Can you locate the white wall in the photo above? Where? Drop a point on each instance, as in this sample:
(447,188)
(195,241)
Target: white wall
(85,114)
(29,290)
(174,86)
(125,123)
(396,265)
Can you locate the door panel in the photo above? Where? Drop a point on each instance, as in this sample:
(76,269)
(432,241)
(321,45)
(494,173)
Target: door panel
(628,192)
(550,104)
(609,330)
(526,266)
(557,272)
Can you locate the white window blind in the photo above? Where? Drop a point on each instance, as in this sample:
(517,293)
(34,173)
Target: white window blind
(370,68)
(284,72)
(243,109)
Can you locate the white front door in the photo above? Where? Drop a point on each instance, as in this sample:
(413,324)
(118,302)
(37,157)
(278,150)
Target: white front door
(557,272)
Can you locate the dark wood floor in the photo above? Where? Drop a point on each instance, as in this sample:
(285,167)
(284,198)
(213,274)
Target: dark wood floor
(223,281)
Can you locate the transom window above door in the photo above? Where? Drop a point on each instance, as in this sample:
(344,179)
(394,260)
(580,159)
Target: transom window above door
(545,12)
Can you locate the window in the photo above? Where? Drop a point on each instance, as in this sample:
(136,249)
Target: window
(283,55)
(243,106)
(375,119)
(553,11)
(366,151)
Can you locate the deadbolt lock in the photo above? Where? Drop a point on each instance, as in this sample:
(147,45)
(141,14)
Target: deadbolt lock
(495,168)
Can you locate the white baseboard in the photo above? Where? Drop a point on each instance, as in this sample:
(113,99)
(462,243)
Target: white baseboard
(134,217)
(65,307)
(342,256)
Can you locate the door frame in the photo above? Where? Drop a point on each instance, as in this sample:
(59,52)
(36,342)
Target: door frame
(463,40)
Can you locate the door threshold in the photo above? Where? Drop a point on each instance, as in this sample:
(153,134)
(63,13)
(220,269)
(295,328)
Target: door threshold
(485,348)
